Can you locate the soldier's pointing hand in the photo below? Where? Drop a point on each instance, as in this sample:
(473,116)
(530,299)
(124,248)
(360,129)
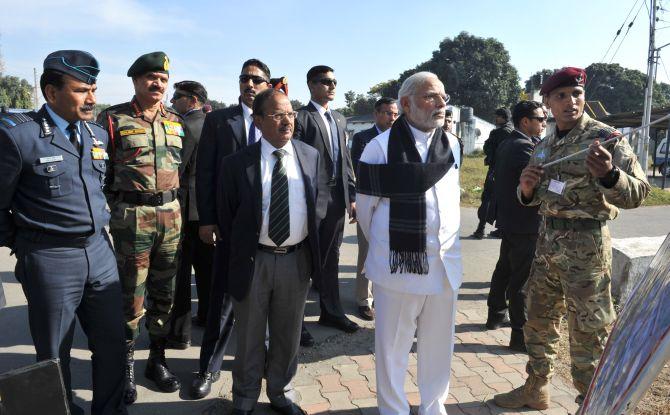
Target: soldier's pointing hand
(530,178)
(598,160)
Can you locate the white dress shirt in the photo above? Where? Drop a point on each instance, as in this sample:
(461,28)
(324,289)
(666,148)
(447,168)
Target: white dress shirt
(62,124)
(248,119)
(322,112)
(442,225)
(296,193)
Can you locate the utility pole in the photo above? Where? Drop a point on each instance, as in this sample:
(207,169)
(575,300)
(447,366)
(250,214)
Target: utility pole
(652,60)
(36,98)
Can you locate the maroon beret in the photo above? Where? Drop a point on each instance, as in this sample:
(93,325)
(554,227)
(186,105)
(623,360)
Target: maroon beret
(568,76)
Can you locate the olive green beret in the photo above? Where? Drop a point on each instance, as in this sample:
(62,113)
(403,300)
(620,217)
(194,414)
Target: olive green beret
(150,62)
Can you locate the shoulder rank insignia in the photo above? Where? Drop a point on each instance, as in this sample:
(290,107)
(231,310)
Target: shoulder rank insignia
(173,128)
(14,119)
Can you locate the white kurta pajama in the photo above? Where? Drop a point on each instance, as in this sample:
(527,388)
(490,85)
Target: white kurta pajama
(407,303)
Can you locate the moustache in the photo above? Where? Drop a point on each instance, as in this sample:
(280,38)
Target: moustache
(438,112)
(87,108)
(155,89)
(249,91)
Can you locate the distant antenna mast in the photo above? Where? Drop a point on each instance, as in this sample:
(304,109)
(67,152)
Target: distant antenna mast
(652,59)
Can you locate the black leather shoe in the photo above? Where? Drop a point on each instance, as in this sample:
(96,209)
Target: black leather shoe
(290,409)
(478,234)
(176,344)
(496,320)
(202,384)
(130,394)
(366,312)
(241,412)
(158,371)
(517,342)
(495,234)
(340,323)
(306,339)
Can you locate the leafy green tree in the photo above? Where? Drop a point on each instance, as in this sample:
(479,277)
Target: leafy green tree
(296,104)
(15,92)
(476,72)
(534,83)
(358,104)
(216,105)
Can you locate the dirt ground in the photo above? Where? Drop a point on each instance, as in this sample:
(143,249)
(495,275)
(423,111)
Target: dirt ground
(655,402)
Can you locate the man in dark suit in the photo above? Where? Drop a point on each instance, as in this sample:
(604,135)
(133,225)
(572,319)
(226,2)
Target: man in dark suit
(519,224)
(271,197)
(325,130)
(188,99)
(487,209)
(224,132)
(385,113)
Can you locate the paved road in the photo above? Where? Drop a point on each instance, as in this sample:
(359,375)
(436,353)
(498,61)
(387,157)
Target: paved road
(337,376)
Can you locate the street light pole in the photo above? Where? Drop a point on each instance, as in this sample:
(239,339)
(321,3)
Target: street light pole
(652,57)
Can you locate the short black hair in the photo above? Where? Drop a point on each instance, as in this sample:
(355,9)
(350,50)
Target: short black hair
(260,65)
(194,88)
(51,77)
(504,112)
(524,109)
(448,113)
(262,98)
(383,101)
(318,70)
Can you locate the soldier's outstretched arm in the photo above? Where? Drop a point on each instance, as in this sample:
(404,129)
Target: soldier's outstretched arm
(10,169)
(632,186)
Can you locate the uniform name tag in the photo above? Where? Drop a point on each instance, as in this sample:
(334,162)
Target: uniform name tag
(556,187)
(124,133)
(51,159)
(173,128)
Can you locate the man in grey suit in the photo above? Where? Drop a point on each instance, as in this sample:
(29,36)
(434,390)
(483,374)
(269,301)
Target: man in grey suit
(385,113)
(325,130)
(188,99)
(272,196)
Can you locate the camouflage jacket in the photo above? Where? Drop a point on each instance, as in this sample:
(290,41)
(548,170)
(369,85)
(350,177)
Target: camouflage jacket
(144,155)
(583,195)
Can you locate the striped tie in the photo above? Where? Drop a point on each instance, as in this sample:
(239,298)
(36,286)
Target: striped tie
(280,225)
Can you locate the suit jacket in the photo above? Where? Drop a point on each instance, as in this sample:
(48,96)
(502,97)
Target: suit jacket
(194,122)
(358,143)
(223,133)
(496,137)
(239,199)
(512,156)
(310,128)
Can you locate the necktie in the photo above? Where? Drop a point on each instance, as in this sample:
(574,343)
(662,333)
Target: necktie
(334,142)
(72,129)
(252,134)
(280,225)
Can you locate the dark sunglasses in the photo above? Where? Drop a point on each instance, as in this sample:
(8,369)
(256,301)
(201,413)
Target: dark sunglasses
(253,78)
(540,119)
(327,81)
(178,95)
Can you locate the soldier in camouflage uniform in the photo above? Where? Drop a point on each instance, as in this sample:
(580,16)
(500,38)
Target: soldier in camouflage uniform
(572,265)
(143,178)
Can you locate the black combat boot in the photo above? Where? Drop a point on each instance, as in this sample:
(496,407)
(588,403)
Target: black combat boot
(517,342)
(479,232)
(130,395)
(157,369)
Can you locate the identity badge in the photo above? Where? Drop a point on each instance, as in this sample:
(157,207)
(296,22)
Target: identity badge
(556,186)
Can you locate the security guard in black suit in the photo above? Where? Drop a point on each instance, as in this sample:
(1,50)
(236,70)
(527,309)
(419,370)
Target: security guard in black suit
(53,216)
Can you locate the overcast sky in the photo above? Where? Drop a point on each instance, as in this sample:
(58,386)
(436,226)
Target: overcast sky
(366,41)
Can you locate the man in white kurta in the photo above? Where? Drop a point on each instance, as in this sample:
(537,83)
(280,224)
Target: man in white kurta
(408,303)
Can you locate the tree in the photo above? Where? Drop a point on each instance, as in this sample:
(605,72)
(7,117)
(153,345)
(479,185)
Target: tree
(534,83)
(15,92)
(358,104)
(217,104)
(476,72)
(296,104)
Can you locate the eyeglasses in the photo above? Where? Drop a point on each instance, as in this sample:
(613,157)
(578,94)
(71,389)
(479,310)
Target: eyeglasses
(178,95)
(540,119)
(389,113)
(253,78)
(435,98)
(327,81)
(280,115)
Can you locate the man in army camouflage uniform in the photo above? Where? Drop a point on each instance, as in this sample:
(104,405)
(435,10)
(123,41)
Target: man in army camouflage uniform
(143,178)
(572,265)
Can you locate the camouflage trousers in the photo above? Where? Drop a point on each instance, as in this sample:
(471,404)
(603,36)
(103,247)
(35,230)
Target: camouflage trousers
(570,272)
(146,241)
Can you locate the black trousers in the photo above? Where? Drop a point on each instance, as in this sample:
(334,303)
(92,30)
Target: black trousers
(330,240)
(486,210)
(510,275)
(199,256)
(219,325)
(63,283)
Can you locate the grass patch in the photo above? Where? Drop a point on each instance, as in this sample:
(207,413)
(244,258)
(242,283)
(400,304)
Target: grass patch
(473,174)
(657,197)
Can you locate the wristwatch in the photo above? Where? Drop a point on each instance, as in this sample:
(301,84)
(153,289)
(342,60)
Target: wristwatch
(611,178)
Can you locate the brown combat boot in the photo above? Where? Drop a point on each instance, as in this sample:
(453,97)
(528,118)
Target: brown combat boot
(533,394)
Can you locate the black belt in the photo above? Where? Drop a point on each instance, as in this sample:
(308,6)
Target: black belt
(280,250)
(563,224)
(149,199)
(66,240)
